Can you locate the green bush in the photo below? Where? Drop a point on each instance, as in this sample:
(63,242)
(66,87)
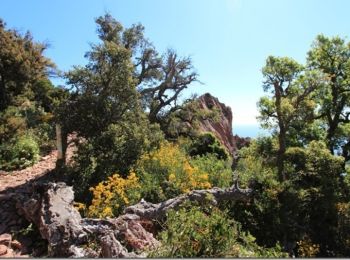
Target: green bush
(115,150)
(20,153)
(207,143)
(195,231)
(219,171)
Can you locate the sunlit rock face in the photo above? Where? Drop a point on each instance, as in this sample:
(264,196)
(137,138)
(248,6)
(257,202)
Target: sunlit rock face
(221,127)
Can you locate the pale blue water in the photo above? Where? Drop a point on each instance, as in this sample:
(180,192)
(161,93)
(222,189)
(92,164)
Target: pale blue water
(252,131)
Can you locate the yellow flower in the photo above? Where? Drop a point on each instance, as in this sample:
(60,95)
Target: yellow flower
(112,195)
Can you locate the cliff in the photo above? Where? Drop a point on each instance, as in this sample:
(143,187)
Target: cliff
(221,126)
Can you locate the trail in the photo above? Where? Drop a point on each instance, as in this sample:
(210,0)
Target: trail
(44,166)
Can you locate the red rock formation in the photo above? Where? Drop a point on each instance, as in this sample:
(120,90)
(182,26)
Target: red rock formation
(222,126)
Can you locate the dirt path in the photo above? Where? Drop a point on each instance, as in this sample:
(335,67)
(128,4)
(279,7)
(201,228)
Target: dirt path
(45,165)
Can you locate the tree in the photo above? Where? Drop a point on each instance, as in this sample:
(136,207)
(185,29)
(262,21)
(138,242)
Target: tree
(332,57)
(103,91)
(160,78)
(290,101)
(27,99)
(104,110)
(21,64)
(174,75)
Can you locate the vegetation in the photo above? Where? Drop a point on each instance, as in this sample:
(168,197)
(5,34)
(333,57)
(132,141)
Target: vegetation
(27,99)
(136,139)
(204,231)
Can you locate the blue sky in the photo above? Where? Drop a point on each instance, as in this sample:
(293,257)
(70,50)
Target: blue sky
(228,40)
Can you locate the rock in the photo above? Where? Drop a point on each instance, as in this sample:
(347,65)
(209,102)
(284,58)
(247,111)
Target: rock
(51,209)
(111,248)
(5,239)
(222,127)
(17,245)
(132,232)
(9,253)
(3,250)
(49,206)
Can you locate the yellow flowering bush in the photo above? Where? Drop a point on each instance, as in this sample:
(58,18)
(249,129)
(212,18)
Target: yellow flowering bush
(307,249)
(111,196)
(167,172)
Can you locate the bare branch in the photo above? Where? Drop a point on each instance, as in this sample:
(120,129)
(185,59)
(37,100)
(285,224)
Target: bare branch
(158,211)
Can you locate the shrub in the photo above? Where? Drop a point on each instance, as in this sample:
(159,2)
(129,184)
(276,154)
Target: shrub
(219,171)
(195,231)
(114,150)
(207,144)
(111,196)
(307,249)
(167,172)
(19,153)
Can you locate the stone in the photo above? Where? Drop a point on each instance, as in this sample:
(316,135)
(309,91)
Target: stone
(5,239)
(3,250)
(16,244)
(9,253)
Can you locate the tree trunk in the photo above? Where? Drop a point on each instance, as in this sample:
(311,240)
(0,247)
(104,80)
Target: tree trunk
(281,154)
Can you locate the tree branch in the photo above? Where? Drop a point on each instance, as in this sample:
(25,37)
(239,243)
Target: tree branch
(158,211)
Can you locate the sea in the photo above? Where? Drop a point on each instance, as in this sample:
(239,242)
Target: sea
(252,131)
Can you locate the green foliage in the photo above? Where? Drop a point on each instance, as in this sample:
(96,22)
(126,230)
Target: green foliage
(21,152)
(290,104)
(115,150)
(256,169)
(104,109)
(27,99)
(219,171)
(207,144)
(207,232)
(343,228)
(21,64)
(193,233)
(105,92)
(332,57)
(313,186)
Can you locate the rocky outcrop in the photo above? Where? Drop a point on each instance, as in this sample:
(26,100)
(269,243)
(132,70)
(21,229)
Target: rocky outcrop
(221,125)
(49,206)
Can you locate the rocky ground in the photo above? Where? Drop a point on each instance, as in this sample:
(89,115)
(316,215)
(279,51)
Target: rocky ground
(11,186)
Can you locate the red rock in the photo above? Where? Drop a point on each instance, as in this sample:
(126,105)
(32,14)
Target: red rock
(9,253)
(222,127)
(5,238)
(15,244)
(3,250)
